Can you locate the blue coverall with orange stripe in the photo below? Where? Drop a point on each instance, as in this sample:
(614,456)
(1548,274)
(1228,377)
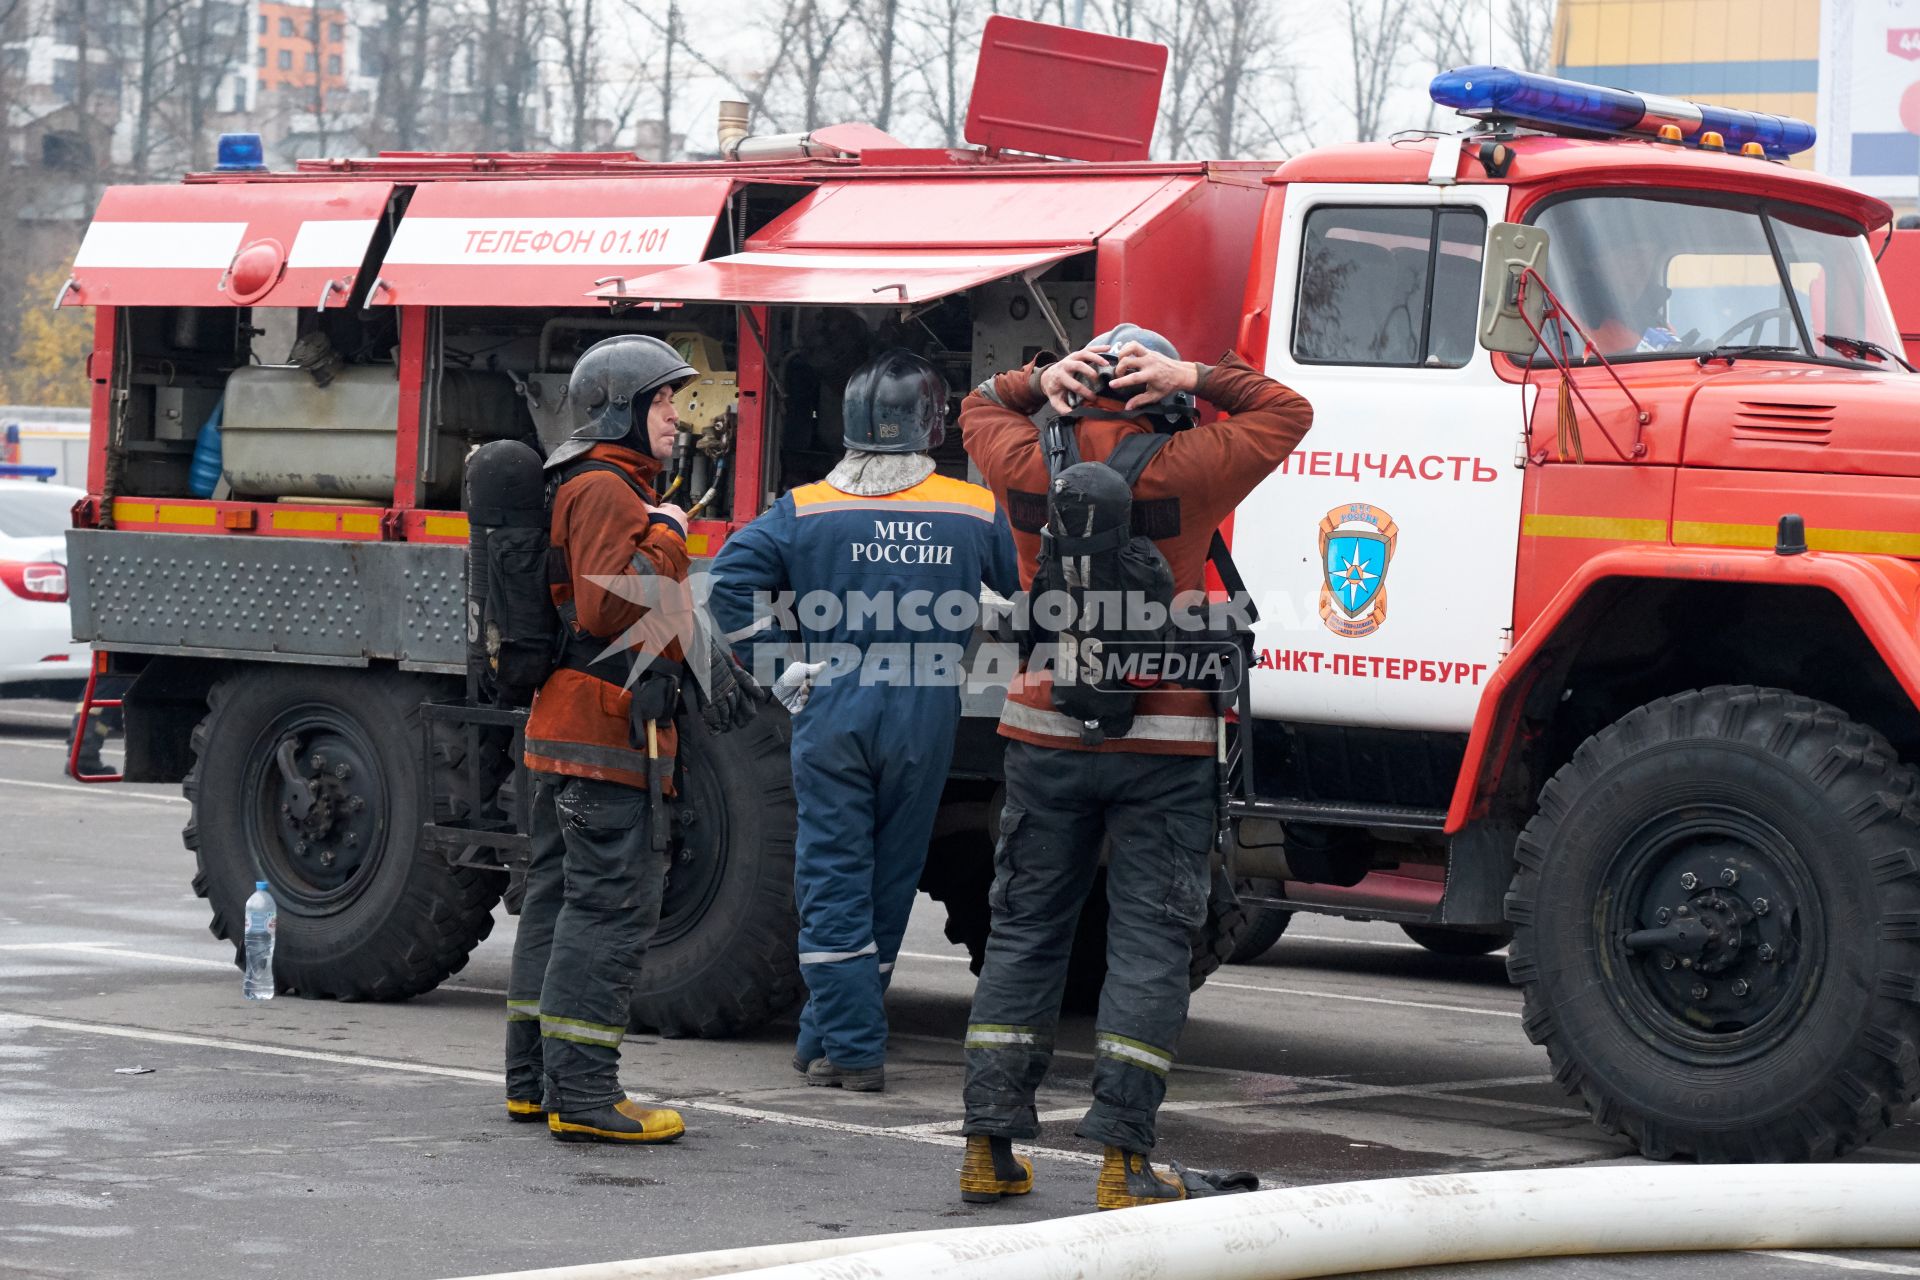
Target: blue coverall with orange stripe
(871,748)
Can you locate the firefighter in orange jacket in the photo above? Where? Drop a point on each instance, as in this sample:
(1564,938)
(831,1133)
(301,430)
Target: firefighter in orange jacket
(599,737)
(1149,793)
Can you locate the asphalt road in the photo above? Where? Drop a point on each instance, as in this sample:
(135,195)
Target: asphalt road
(297,1138)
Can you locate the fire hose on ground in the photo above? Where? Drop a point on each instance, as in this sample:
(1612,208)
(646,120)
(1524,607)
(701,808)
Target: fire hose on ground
(1341,1228)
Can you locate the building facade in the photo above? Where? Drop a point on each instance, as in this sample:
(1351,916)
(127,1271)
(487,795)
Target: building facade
(1850,67)
(1757,55)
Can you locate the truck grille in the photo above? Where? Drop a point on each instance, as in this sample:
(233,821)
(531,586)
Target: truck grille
(1783,422)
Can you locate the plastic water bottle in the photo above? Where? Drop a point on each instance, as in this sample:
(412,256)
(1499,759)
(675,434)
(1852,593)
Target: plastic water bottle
(262,921)
(204,475)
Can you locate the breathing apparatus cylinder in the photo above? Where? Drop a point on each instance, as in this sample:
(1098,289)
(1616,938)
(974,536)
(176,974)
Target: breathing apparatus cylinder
(506,503)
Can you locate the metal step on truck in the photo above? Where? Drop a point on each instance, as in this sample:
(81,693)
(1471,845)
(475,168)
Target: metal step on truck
(1589,607)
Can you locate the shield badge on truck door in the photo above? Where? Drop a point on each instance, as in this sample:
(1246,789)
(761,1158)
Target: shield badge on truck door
(1356,548)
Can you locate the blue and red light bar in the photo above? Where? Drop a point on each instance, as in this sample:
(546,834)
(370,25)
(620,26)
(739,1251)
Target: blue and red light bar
(1555,105)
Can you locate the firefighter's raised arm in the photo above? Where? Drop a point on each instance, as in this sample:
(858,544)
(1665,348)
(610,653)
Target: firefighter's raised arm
(1217,464)
(996,424)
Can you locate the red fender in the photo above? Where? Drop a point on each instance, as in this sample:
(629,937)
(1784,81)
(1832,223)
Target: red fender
(1883,594)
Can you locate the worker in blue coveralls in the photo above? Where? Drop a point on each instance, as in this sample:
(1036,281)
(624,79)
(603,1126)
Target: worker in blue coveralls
(885,560)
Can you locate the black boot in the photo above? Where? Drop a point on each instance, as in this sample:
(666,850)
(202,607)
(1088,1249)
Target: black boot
(1128,1178)
(991,1170)
(623,1121)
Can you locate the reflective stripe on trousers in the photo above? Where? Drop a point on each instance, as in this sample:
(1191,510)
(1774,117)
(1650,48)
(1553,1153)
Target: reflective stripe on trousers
(581,1032)
(834,957)
(990,1035)
(1137,1052)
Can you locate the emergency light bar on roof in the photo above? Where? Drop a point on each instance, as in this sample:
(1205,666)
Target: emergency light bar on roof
(1560,106)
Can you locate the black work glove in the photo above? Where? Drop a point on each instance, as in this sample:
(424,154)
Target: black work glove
(1200,1184)
(733,695)
(655,698)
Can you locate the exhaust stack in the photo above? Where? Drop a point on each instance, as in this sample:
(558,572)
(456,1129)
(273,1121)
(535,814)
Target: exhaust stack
(735,122)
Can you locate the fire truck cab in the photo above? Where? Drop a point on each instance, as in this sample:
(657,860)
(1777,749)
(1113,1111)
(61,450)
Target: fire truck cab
(1588,607)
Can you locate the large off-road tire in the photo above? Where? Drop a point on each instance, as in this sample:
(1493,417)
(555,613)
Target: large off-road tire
(959,875)
(365,913)
(1264,924)
(1785,1025)
(724,959)
(1459,944)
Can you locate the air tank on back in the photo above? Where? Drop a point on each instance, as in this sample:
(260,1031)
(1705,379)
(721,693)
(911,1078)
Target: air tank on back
(506,500)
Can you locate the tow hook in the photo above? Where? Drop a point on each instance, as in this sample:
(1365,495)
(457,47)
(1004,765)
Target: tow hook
(1709,932)
(1683,940)
(300,787)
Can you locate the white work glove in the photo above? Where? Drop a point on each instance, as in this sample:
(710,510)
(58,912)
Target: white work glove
(795,685)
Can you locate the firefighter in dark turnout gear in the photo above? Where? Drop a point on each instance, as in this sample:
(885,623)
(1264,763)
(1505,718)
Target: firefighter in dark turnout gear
(1149,792)
(594,880)
(873,735)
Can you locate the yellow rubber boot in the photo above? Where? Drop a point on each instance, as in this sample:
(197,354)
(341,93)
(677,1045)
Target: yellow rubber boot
(991,1170)
(520,1111)
(624,1121)
(1128,1179)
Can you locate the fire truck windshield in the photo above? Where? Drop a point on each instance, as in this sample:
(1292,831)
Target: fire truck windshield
(1655,277)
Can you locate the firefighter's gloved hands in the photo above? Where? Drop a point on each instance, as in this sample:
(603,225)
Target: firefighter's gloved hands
(1065,383)
(795,685)
(733,695)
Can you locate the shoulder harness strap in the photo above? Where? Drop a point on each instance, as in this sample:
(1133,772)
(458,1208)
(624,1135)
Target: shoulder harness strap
(595,464)
(1131,456)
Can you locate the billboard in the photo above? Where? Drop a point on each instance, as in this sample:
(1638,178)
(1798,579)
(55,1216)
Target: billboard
(1870,96)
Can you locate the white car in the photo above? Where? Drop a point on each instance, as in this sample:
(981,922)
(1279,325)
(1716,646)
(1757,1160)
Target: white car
(37,649)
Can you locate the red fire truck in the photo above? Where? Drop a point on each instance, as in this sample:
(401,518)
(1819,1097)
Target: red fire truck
(1588,607)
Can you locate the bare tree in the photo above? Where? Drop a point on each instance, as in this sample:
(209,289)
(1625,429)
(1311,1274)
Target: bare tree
(153,14)
(13,256)
(1376,31)
(204,40)
(1123,17)
(580,61)
(1249,101)
(878,95)
(758,89)
(1184,29)
(318,104)
(1529,26)
(817,25)
(400,89)
(1443,37)
(509,35)
(946,38)
(667,47)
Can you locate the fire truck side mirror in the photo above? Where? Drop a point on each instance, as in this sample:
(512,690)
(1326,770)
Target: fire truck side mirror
(1510,316)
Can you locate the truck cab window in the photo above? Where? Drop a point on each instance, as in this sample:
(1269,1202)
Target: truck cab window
(1389,286)
(1658,278)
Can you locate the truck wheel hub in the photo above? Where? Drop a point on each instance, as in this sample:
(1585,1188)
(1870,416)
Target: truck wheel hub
(323,802)
(1705,927)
